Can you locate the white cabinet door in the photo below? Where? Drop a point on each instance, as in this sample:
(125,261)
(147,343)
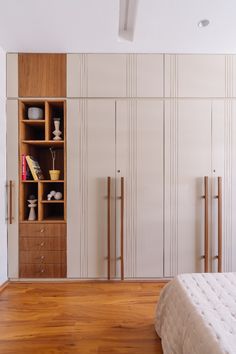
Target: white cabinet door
(229,244)
(224,165)
(197,75)
(91,159)
(12,175)
(149,75)
(106,75)
(188,156)
(139,126)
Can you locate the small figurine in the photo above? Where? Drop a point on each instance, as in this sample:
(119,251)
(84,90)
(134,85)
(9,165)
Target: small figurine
(58,196)
(51,195)
(55,195)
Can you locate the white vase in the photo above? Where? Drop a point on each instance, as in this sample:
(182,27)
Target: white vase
(57,131)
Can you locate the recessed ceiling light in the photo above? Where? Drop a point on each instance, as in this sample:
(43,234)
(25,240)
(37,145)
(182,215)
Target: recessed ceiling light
(203,23)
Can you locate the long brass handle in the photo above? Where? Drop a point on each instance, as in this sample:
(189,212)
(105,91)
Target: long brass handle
(219,224)
(206,226)
(122,230)
(109,228)
(10,202)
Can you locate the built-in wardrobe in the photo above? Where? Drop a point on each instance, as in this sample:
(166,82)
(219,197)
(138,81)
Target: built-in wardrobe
(148,158)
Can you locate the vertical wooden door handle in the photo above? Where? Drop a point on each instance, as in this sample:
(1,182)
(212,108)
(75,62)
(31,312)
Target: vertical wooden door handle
(219,224)
(122,230)
(206,225)
(10,202)
(108,228)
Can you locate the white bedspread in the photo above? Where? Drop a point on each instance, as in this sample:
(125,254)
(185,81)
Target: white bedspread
(196,314)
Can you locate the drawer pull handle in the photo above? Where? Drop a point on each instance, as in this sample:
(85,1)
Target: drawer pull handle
(42,230)
(42,244)
(42,270)
(42,257)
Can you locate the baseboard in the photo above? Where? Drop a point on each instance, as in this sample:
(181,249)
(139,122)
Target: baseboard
(4,285)
(78,280)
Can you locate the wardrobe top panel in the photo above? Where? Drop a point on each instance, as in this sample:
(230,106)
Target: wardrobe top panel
(121,75)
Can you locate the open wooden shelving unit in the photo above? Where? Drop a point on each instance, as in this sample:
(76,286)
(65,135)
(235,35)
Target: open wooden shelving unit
(35,139)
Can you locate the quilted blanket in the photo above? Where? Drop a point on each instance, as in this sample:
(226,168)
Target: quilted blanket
(196,314)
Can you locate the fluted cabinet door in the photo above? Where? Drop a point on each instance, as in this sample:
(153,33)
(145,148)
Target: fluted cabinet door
(91,159)
(12,175)
(188,154)
(140,129)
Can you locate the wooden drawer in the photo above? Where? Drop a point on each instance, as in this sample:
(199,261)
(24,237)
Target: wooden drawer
(43,257)
(42,270)
(43,243)
(41,229)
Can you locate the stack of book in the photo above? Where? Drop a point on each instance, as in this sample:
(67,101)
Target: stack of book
(31,169)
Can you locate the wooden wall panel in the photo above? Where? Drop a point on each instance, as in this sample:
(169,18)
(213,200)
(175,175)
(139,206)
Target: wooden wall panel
(42,75)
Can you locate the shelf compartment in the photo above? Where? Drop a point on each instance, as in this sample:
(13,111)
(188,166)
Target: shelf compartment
(27,190)
(53,186)
(25,105)
(43,155)
(55,109)
(33,132)
(53,211)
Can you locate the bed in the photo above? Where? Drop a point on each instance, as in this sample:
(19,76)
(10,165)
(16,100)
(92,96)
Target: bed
(196,314)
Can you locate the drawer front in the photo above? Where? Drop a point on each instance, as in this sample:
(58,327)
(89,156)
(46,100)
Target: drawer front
(42,230)
(42,270)
(43,243)
(43,257)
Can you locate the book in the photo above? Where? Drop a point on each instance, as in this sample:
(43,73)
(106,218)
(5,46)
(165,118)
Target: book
(24,168)
(34,168)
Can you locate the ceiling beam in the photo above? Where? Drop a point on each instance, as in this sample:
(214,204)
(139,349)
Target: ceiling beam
(127,19)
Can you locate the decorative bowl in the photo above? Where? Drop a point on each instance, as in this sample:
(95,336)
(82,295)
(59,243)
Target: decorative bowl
(35,113)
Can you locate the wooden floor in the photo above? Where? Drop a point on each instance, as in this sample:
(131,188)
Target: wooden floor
(84,318)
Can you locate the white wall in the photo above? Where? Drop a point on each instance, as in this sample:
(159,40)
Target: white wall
(3,225)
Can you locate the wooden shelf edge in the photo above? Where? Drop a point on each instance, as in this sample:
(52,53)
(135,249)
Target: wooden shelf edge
(34,121)
(44,142)
(46,221)
(43,181)
(52,201)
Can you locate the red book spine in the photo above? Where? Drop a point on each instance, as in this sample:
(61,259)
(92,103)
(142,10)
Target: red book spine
(24,166)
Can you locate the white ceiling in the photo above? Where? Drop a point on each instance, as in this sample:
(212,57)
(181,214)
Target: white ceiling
(162,26)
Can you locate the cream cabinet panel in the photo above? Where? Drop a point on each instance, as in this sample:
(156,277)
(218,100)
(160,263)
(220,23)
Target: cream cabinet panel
(106,75)
(195,76)
(150,75)
(115,75)
(226,112)
(91,159)
(230,189)
(12,75)
(220,168)
(140,161)
(12,175)
(187,161)
(74,75)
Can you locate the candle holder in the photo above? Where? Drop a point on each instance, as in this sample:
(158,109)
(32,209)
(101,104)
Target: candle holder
(32,205)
